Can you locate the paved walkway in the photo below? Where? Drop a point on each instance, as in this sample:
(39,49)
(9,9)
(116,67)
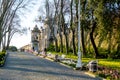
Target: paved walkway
(25,66)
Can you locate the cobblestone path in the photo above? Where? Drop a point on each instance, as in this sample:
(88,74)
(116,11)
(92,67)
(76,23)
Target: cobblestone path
(25,66)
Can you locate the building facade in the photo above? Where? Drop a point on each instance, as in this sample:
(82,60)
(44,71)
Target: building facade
(40,38)
(35,38)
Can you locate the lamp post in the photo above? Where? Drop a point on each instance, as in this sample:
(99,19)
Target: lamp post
(79,62)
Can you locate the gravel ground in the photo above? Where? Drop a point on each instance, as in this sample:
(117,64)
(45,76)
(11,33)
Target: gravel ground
(26,66)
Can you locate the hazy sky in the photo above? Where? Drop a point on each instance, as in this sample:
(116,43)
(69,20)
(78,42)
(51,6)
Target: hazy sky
(27,21)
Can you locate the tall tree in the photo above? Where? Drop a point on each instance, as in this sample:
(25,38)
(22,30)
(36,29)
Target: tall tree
(83,25)
(72,26)
(8,9)
(107,14)
(91,19)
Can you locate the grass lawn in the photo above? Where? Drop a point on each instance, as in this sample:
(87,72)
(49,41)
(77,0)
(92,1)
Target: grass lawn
(109,63)
(110,67)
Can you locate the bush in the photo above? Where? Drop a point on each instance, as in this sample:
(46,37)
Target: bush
(51,48)
(64,49)
(103,53)
(114,55)
(2,54)
(70,50)
(3,50)
(89,53)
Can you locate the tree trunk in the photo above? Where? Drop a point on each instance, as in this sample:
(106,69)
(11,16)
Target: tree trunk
(64,28)
(55,19)
(118,49)
(61,43)
(109,44)
(65,33)
(61,25)
(0,42)
(56,44)
(73,42)
(82,27)
(8,40)
(82,40)
(92,40)
(66,38)
(4,42)
(73,27)
(100,42)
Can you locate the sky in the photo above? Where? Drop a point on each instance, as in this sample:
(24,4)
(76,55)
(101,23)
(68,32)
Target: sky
(27,21)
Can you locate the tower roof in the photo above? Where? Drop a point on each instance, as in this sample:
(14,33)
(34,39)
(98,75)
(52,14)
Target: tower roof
(35,29)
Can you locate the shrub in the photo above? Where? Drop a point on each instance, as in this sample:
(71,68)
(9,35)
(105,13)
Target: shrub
(70,50)
(64,49)
(3,50)
(114,54)
(2,54)
(51,48)
(103,53)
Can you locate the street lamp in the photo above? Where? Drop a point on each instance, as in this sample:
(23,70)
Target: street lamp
(79,62)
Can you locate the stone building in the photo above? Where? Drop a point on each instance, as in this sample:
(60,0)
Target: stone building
(44,37)
(40,38)
(35,38)
(26,47)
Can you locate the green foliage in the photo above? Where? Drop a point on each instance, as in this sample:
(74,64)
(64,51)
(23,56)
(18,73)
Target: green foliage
(102,75)
(103,52)
(70,50)
(51,48)
(64,49)
(89,53)
(114,54)
(4,50)
(2,54)
(106,15)
(109,63)
(1,62)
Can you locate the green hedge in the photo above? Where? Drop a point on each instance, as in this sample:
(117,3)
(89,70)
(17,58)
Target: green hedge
(2,54)
(51,48)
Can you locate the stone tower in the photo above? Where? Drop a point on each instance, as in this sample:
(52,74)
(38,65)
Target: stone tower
(35,38)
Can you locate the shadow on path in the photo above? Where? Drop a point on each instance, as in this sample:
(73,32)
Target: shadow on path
(34,66)
(47,72)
